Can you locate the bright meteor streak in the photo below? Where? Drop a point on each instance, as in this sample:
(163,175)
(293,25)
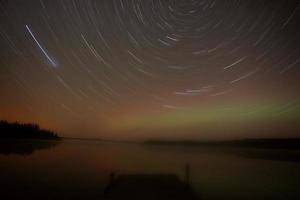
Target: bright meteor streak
(40,46)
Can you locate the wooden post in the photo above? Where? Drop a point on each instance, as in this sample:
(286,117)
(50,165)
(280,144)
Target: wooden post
(112,177)
(187,174)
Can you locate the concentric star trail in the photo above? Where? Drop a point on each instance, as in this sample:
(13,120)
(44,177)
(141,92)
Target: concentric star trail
(152,68)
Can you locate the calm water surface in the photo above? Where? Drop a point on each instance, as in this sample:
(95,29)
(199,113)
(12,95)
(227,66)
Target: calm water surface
(81,169)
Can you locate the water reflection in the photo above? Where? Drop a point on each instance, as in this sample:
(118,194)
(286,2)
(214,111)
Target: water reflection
(266,154)
(25,147)
(83,170)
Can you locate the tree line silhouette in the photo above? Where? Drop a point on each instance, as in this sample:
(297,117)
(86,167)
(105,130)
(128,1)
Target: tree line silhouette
(18,130)
(272,143)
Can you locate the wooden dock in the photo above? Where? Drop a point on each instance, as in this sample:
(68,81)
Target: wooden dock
(148,187)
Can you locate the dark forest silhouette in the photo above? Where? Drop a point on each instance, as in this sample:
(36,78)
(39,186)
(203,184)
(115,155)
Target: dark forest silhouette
(284,149)
(18,130)
(24,139)
(270,143)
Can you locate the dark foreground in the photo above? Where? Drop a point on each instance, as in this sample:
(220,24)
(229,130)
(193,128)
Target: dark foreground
(74,169)
(148,187)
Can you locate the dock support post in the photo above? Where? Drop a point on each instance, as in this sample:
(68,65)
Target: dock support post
(187,174)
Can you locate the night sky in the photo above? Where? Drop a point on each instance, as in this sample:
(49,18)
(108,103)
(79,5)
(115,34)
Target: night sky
(143,69)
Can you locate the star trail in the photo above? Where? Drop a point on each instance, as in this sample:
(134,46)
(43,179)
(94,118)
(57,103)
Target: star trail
(134,69)
(40,46)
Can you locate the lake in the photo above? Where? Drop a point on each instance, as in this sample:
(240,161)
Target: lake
(81,169)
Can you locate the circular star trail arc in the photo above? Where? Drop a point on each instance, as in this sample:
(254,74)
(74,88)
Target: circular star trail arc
(40,46)
(89,68)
